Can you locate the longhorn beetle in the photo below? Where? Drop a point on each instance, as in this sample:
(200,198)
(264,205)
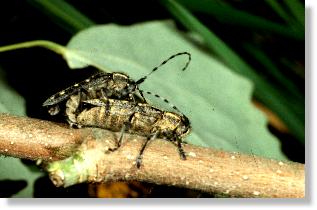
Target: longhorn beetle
(135,118)
(104,85)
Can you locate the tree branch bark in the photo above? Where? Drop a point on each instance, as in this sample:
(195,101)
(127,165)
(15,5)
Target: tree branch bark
(85,155)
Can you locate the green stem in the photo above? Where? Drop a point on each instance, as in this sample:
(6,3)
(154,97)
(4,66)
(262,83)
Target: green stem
(59,49)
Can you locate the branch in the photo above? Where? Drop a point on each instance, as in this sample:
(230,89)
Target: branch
(85,155)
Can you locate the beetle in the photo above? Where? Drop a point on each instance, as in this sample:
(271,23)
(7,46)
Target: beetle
(135,118)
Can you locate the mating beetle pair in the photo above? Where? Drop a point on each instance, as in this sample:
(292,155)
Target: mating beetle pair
(116,103)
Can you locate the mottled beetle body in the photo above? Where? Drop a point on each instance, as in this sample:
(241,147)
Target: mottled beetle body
(135,118)
(110,85)
(144,119)
(113,85)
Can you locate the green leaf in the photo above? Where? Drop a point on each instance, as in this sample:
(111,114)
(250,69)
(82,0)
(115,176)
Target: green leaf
(297,9)
(297,21)
(278,9)
(64,14)
(229,15)
(216,100)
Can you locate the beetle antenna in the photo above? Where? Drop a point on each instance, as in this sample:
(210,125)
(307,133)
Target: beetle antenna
(164,62)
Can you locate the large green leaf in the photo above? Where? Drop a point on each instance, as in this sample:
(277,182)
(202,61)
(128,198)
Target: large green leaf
(11,168)
(216,100)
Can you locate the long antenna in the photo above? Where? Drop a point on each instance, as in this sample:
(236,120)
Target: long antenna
(166,101)
(164,62)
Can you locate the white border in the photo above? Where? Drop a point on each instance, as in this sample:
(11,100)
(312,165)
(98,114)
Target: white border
(308,203)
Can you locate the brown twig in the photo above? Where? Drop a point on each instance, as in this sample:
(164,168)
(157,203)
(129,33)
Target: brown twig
(89,158)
